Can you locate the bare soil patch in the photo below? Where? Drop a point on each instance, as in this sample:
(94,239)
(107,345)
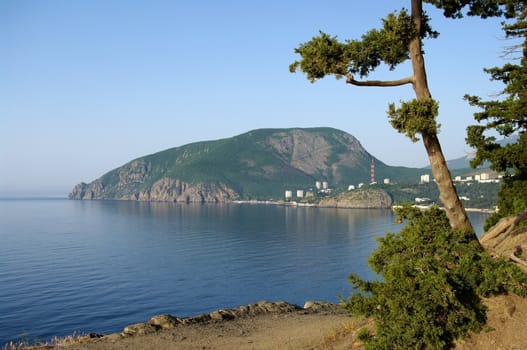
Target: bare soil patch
(328,329)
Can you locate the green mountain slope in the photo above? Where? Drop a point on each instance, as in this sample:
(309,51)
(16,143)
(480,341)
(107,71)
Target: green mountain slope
(260,164)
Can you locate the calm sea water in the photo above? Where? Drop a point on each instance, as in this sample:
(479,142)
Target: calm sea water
(96,266)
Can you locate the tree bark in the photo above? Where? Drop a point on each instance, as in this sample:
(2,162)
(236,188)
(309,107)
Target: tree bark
(447,192)
(379,83)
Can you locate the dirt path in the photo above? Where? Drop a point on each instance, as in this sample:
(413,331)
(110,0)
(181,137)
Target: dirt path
(292,330)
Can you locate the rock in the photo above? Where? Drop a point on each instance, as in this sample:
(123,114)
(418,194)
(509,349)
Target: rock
(317,306)
(262,307)
(309,304)
(113,337)
(163,190)
(374,199)
(221,315)
(140,329)
(164,321)
(94,190)
(196,319)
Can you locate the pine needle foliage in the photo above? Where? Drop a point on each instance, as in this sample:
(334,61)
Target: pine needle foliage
(507,116)
(433,279)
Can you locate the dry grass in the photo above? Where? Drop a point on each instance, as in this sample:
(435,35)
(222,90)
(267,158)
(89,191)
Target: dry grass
(345,336)
(73,339)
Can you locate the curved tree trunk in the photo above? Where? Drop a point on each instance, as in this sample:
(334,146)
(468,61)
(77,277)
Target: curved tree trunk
(447,192)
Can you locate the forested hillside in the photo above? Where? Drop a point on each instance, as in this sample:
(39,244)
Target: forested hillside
(260,164)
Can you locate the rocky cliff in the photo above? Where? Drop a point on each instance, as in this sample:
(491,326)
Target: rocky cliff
(163,190)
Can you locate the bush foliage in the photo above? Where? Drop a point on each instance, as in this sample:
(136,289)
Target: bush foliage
(433,278)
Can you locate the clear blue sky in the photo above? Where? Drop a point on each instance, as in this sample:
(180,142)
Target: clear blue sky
(86,86)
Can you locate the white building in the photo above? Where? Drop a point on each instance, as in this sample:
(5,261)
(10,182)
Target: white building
(421,200)
(300,193)
(318,185)
(288,194)
(325,185)
(425,178)
(386,181)
(351,187)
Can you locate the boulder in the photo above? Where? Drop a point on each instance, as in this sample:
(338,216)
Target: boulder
(164,321)
(140,329)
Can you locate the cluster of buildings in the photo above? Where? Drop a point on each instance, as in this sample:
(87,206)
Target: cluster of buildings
(480,178)
(321,186)
(299,194)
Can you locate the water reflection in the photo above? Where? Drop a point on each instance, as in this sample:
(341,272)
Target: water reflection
(105,264)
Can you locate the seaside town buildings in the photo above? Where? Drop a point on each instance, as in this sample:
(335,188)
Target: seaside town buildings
(479,178)
(322,187)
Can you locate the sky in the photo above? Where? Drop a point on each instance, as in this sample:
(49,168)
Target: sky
(88,85)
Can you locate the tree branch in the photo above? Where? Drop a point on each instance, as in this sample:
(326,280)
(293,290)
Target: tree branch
(518,260)
(380,83)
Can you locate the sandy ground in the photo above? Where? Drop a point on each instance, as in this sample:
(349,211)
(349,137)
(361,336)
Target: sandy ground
(292,330)
(506,326)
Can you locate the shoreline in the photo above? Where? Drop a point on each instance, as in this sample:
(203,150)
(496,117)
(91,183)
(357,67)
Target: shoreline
(159,326)
(315,205)
(252,201)
(425,207)
(295,328)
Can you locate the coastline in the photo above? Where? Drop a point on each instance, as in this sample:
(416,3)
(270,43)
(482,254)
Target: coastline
(425,207)
(315,205)
(270,202)
(326,328)
(261,325)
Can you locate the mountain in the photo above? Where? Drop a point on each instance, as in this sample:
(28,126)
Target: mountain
(464,162)
(260,164)
(461,162)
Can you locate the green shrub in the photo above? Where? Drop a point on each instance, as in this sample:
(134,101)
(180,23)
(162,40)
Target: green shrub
(432,282)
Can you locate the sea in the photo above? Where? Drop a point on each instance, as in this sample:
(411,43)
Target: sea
(73,267)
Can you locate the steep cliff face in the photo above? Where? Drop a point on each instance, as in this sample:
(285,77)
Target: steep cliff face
(163,190)
(94,190)
(176,191)
(322,155)
(363,199)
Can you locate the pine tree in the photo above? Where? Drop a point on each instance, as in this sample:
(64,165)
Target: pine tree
(508,117)
(400,39)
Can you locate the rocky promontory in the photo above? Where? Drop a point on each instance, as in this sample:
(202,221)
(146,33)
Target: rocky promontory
(137,181)
(163,190)
(359,199)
